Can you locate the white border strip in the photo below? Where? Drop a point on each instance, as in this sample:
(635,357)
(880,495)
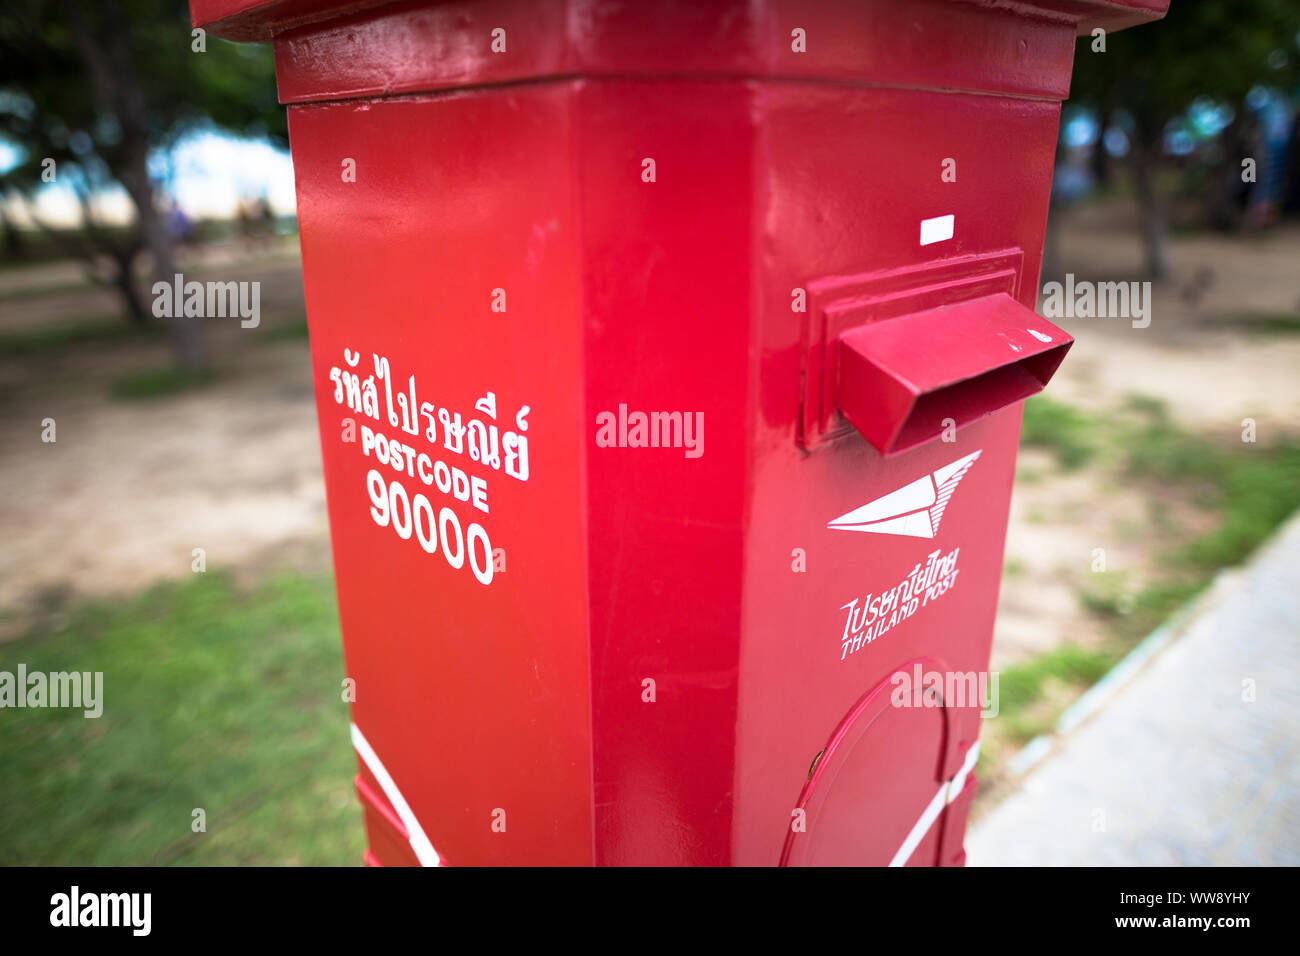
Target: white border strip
(922,827)
(946,795)
(424,850)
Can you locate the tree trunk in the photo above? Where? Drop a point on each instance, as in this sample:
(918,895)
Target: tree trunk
(186,335)
(107,52)
(13,242)
(1052,269)
(1155,228)
(1100,161)
(90,246)
(137,313)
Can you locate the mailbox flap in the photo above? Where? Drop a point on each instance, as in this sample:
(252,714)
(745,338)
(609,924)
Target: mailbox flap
(902,381)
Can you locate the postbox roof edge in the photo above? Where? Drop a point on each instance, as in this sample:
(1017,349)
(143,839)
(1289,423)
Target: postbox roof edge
(262,20)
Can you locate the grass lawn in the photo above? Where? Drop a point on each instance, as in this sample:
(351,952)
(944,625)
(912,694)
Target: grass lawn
(1251,488)
(215,697)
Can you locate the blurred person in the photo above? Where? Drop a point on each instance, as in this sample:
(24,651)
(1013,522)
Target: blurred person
(244,221)
(179,225)
(265,217)
(1275,121)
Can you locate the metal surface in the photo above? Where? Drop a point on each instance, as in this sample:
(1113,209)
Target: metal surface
(669,636)
(981,356)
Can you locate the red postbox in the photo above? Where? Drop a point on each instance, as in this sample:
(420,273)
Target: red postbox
(669,360)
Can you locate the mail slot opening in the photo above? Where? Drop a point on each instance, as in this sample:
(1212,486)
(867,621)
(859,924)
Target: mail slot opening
(971,400)
(902,380)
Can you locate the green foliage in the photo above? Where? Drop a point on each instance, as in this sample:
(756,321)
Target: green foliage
(294,330)
(1063,430)
(1022,686)
(1252,488)
(161,382)
(1266,323)
(1200,48)
(1104,594)
(56,338)
(51,105)
(1258,492)
(103,90)
(215,697)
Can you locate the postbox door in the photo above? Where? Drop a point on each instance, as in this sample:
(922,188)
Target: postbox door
(878,793)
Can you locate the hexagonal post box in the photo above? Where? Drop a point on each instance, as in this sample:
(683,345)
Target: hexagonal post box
(669,362)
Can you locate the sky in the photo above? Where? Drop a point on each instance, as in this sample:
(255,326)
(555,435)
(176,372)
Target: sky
(210,171)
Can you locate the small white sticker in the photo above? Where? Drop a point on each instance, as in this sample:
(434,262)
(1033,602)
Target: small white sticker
(937,229)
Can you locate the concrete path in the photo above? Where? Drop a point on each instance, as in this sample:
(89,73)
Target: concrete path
(1194,761)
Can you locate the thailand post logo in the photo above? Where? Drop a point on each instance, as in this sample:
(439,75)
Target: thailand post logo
(914,510)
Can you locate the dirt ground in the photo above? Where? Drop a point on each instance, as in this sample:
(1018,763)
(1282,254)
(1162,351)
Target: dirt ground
(130,488)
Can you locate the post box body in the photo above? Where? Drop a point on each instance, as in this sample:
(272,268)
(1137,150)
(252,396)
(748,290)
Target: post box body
(618,582)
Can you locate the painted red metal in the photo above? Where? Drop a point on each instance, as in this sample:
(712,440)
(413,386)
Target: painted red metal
(982,355)
(573,644)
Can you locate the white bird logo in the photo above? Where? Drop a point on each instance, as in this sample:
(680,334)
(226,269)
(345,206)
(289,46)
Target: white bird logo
(914,510)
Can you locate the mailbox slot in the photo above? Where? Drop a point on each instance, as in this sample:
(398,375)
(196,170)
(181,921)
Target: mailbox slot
(840,303)
(902,381)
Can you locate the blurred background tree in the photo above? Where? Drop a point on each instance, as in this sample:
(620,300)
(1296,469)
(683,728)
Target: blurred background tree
(106,89)
(1150,75)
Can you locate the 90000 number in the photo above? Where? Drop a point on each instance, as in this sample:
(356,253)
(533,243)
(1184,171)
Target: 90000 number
(391,506)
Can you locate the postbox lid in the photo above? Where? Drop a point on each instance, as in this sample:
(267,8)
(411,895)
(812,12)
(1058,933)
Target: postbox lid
(262,19)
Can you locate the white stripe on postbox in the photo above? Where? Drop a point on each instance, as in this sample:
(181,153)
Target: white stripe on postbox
(424,850)
(947,793)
